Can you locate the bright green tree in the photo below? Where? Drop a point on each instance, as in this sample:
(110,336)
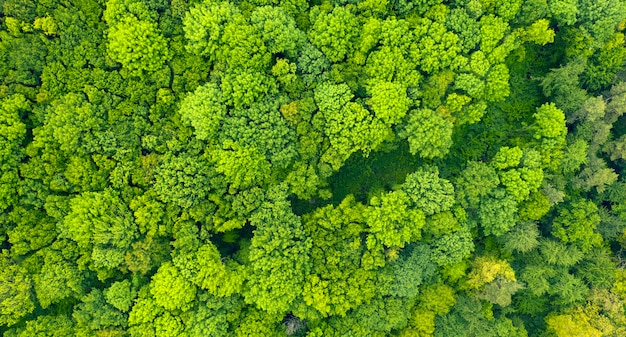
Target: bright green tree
(429,134)
(278,256)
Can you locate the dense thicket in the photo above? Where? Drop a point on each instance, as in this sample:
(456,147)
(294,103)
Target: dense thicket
(312,168)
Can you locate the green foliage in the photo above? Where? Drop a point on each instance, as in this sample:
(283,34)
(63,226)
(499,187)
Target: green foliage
(183,180)
(137,45)
(170,290)
(577,223)
(212,317)
(498,214)
(428,133)
(16,289)
(120,295)
(204,110)
(389,102)
(428,192)
(564,11)
(12,134)
(333,32)
(392,222)
(45,325)
(336,254)
(75,124)
(468,317)
(58,280)
(95,316)
(550,122)
(539,33)
(475,182)
(452,248)
(102,226)
(493,280)
(242,167)
(348,125)
(410,271)
(521,238)
(279,255)
(576,324)
(204,26)
(278,30)
(206,270)
(312,168)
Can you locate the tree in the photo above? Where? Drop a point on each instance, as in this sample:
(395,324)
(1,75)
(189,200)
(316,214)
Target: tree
(120,295)
(444,222)
(577,223)
(466,27)
(333,33)
(428,192)
(47,25)
(549,130)
(493,280)
(468,318)
(94,316)
(214,317)
(243,46)
(452,248)
(562,85)
(241,88)
(75,124)
(102,226)
(142,317)
(183,180)
(498,214)
(204,109)
(598,269)
(278,30)
(574,324)
(521,238)
(12,134)
(58,279)
(170,290)
(475,182)
(348,125)
(323,168)
(550,122)
(262,126)
(411,270)
(204,27)
(16,298)
(434,299)
(564,11)
(429,134)
(45,325)
(384,314)
(137,44)
(538,33)
(312,63)
(278,256)
(389,63)
(260,323)
(391,221)
(558,253)
(436,48)
(338,281)
(205,268)
(389,102)
(497,83)
(31,230)
(242,167)
(600,18)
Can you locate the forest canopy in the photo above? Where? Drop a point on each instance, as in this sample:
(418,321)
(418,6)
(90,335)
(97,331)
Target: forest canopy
(313,168)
